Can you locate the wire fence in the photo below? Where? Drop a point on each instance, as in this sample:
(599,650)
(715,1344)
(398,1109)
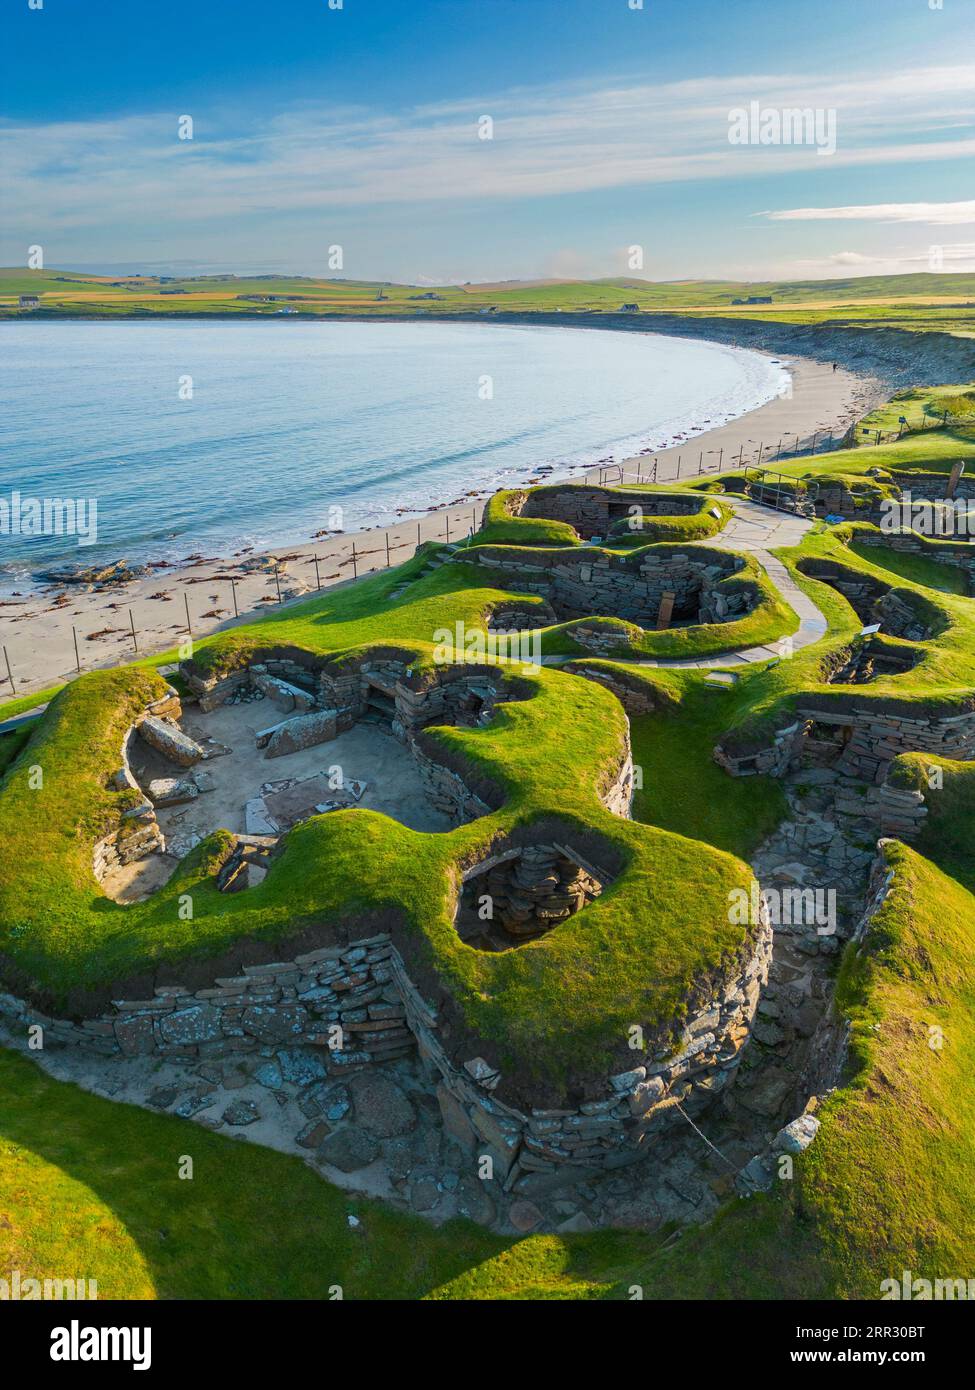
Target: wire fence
(292,580)
(904,427)
(361,557)
(650,469)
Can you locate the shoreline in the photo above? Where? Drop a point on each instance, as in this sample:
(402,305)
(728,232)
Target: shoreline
(611,440)
(48,635)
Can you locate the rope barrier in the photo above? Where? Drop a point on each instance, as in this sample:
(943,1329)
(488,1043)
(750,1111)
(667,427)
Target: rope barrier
(714,1149)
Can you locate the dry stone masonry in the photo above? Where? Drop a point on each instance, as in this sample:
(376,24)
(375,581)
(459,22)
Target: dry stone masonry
(958,554)
(357,1007)
(594,511)
(587,583)
(866,741)
(523,893)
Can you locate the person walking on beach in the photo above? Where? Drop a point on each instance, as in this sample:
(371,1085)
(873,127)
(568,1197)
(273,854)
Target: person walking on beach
(835,366)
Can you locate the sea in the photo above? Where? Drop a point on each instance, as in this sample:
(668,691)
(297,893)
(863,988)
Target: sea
(206,437)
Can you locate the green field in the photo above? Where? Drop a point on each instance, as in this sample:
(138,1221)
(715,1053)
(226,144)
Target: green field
(89,1186)
(919,302)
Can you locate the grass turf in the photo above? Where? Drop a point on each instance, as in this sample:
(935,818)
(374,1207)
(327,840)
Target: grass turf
(840,1228)
(90,1189)
(558,1005)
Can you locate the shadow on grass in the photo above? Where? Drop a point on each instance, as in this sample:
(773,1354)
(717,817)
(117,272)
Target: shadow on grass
(90,1188)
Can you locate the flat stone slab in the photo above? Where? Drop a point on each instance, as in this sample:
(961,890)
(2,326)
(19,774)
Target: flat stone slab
(282,693)
(169,740)
(349,1150)
(304,731)
(172,791)
(257,821)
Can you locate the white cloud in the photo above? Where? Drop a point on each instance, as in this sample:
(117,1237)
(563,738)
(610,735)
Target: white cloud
(955,257)
(129,186)
(934,214)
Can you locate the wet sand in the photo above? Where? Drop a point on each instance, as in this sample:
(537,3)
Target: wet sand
(42,631)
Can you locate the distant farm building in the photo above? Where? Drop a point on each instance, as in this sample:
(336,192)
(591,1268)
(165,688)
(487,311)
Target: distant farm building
(754,299)
(629,308)
(29,301)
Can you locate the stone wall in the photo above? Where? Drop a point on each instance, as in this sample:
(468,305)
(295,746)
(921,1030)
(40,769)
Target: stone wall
(900,613)
(878,738)
(896,811)
(781,753)
(956,553)
(137,834)
(357,1003)
(825,1063)
(593,510)
(636,695)
(455,693)
(595,583)
(874,739)
(835,497)
(363,990)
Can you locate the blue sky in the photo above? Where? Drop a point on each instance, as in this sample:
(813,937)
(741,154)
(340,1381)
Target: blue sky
(358,126)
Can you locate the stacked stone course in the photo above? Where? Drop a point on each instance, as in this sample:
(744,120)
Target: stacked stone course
(585,584)
(365,991)
(875,739)
(591,511)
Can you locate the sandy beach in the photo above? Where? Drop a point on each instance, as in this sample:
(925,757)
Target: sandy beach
(49,635)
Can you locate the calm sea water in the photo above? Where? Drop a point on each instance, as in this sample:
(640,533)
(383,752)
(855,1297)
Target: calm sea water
(211,436)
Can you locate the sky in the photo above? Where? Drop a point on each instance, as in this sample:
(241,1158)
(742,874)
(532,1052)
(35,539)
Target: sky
(455,140)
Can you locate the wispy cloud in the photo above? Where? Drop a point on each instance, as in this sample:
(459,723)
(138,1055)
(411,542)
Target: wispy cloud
(933,214)
(955,257)
(547,141)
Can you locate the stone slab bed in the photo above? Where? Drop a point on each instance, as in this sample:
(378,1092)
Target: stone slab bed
(358,1004)
(345,693)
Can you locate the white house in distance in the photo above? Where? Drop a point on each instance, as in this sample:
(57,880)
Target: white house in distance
(29,301)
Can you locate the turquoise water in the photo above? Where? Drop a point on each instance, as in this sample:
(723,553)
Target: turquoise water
(210,436)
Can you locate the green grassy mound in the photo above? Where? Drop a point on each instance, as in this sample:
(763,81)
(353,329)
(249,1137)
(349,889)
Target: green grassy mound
(925,452)
(925,567)
(555,1007)
(769,616)
(942,683)
(90,1187)
(503,526)
(504,523)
